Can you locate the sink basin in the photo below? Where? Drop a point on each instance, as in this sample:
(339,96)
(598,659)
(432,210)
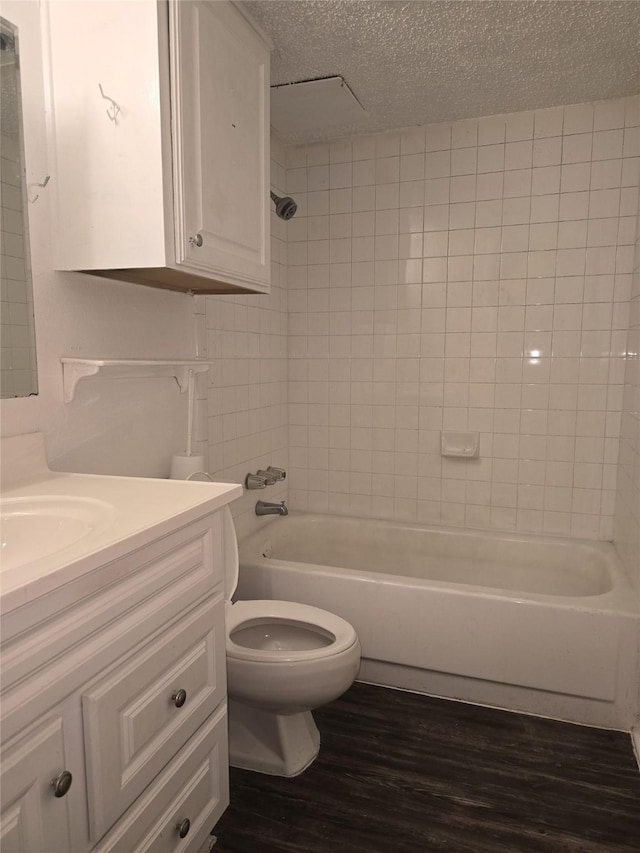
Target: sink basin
(36,527)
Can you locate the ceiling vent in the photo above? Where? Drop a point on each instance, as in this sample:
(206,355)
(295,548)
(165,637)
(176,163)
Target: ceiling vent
(313,105)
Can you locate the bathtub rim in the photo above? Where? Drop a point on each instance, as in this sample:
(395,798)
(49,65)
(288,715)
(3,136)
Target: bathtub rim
(622,598)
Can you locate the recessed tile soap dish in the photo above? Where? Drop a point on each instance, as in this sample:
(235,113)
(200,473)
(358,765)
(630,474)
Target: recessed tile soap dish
(464,444)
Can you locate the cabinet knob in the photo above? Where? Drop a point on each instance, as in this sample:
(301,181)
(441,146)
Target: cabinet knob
(183,827)
(197,240)
(179,697)
(61,783)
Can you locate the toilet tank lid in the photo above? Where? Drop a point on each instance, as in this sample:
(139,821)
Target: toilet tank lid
(231,563)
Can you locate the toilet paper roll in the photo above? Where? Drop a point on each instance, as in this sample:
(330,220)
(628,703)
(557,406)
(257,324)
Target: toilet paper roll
(183,465)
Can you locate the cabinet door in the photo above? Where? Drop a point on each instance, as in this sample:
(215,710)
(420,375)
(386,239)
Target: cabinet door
(220,139)
(34,820)
(140,714)
(108,177)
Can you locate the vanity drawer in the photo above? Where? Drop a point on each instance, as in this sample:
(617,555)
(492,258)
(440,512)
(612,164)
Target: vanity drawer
(194,786)
(144,710)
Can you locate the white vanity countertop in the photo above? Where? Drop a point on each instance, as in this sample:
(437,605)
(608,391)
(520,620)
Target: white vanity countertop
(115,514)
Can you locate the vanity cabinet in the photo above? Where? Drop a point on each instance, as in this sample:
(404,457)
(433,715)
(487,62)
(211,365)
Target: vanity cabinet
(160,133)
(116,684)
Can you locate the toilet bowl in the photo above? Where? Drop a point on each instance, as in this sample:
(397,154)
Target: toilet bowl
(283,660)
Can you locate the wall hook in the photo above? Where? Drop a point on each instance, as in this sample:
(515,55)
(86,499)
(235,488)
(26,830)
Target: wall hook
(42,184)
(113,116)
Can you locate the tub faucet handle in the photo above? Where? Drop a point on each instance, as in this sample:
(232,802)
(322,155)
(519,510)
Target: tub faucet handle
(255,481)
(278,473)
(267,476)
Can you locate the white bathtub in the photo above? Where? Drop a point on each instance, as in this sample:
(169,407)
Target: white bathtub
(536,624)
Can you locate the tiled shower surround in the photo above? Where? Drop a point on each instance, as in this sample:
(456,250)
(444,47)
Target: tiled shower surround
(247,394)
(627,518)
(466,276)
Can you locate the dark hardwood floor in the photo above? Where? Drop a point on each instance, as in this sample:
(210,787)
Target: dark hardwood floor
(399,773)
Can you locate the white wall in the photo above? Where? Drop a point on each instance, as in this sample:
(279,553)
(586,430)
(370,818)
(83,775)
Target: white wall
(465,276)
(107,428)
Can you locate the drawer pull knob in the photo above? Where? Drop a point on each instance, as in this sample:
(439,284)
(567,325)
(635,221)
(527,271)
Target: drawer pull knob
(183,827)
(61,783)
(179,697)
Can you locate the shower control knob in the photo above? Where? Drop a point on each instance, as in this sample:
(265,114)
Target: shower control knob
(196,241)
(278,473)
(254,481)
(179,697)
(61,784)
(183,827)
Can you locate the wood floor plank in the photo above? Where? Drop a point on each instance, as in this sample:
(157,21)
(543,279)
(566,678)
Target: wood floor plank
(402,773)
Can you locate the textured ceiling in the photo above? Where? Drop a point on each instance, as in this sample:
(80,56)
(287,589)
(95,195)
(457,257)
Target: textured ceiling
(437,60)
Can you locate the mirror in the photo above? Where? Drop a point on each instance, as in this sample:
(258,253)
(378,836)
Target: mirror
(18,376)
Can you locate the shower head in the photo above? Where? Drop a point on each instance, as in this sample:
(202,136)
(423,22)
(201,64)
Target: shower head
(285,206)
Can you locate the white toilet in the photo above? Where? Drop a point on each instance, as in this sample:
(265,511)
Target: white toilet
(283,659)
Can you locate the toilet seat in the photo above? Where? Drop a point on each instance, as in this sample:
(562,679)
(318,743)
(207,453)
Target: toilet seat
(230,554)
(341,634)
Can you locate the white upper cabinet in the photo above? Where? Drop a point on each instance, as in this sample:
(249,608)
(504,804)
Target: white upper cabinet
(160,131)
(220,92)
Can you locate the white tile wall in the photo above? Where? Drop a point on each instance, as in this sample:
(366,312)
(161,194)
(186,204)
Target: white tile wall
(476,276)
(247,394)
(627,518)
(18,376)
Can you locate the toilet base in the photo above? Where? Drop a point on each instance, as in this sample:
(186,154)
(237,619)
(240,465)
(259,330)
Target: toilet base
(266,742)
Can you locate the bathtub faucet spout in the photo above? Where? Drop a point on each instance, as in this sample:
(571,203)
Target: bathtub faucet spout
(266,508)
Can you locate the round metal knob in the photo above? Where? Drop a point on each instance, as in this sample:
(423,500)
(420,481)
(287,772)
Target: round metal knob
(179,697)
(183,827)
(197,240)
(61,783)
